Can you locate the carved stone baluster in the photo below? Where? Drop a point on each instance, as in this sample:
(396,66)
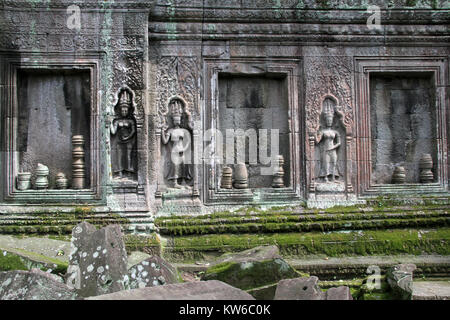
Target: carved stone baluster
(279,174)
(312,175)
(78,166)
(348,141)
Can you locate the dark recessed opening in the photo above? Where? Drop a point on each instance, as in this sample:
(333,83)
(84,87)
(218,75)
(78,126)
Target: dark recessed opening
(403,124)
(53,106)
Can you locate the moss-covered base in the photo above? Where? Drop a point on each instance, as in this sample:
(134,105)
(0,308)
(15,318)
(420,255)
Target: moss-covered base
(248,275)
(297,245)
(56,223)
(18,259)
(277,220)
(149,244)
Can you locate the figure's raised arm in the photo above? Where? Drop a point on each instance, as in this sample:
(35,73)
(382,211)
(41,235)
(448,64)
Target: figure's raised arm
(319,136)
(165,136)
(338,140)
(113,126)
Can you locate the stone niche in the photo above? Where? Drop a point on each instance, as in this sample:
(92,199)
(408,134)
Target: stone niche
(256,102)
(402,123)
(53,106)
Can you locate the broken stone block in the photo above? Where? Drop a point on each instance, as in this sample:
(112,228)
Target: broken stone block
(249,269)
(136,257)
(400,279)
(154,271)
(431,290)
(16,259)
(98,260)
(33,285)
(339,293)
(299,289)
(199,290)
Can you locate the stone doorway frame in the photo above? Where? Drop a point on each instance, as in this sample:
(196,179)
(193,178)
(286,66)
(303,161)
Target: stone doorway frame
(290,68)
(10,65)
(364,67)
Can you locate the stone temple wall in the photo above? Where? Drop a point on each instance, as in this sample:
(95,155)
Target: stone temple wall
(355,93)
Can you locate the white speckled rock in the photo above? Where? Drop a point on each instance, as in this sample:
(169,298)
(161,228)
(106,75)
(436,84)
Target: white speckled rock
(154,271)
(33,285)
(98,260)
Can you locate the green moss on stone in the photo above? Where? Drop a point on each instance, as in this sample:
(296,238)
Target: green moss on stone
(253,274)
(335,244)
(10,262)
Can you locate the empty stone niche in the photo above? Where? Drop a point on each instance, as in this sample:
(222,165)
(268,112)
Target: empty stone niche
(403,124)
(53,107)
(256,102)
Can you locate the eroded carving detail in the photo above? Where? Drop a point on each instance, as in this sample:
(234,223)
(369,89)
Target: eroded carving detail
(124,137)
(329,140)
(328,75)
(178,138)
(176,76)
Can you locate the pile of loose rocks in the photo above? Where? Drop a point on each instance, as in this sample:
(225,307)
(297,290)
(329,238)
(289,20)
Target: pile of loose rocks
(99,269)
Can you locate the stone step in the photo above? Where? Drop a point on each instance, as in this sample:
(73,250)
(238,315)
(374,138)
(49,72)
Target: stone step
(429,266)
(333,268)
(431,290)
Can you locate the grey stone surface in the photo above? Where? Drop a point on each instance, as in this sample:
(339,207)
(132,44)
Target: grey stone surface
(431,290)
(260,253)
(255,103)
(251,268)
(33,285)
(339,293)
(276,73)
(299,289)
(136,257)
(53,108)
(154,271)
(403,125)
(400,278)
(98,260)
(56,249)
(308,289)
(199,290)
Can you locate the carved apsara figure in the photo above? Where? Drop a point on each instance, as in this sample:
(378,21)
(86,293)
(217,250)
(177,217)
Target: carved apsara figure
(329,140)
(179,139)
(123,132)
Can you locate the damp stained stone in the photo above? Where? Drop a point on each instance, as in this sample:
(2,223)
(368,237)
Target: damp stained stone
(98,278)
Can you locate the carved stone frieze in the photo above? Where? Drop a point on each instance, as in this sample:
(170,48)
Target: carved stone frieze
(329,74)
(127,69)
(177,76)
(304,11)
(58,42)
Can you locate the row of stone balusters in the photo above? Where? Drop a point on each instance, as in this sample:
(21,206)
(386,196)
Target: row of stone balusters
(425,166)
(61,182)
(241,176)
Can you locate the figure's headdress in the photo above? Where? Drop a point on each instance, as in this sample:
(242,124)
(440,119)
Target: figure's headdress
(328,107)
(176,108)
(125,98)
